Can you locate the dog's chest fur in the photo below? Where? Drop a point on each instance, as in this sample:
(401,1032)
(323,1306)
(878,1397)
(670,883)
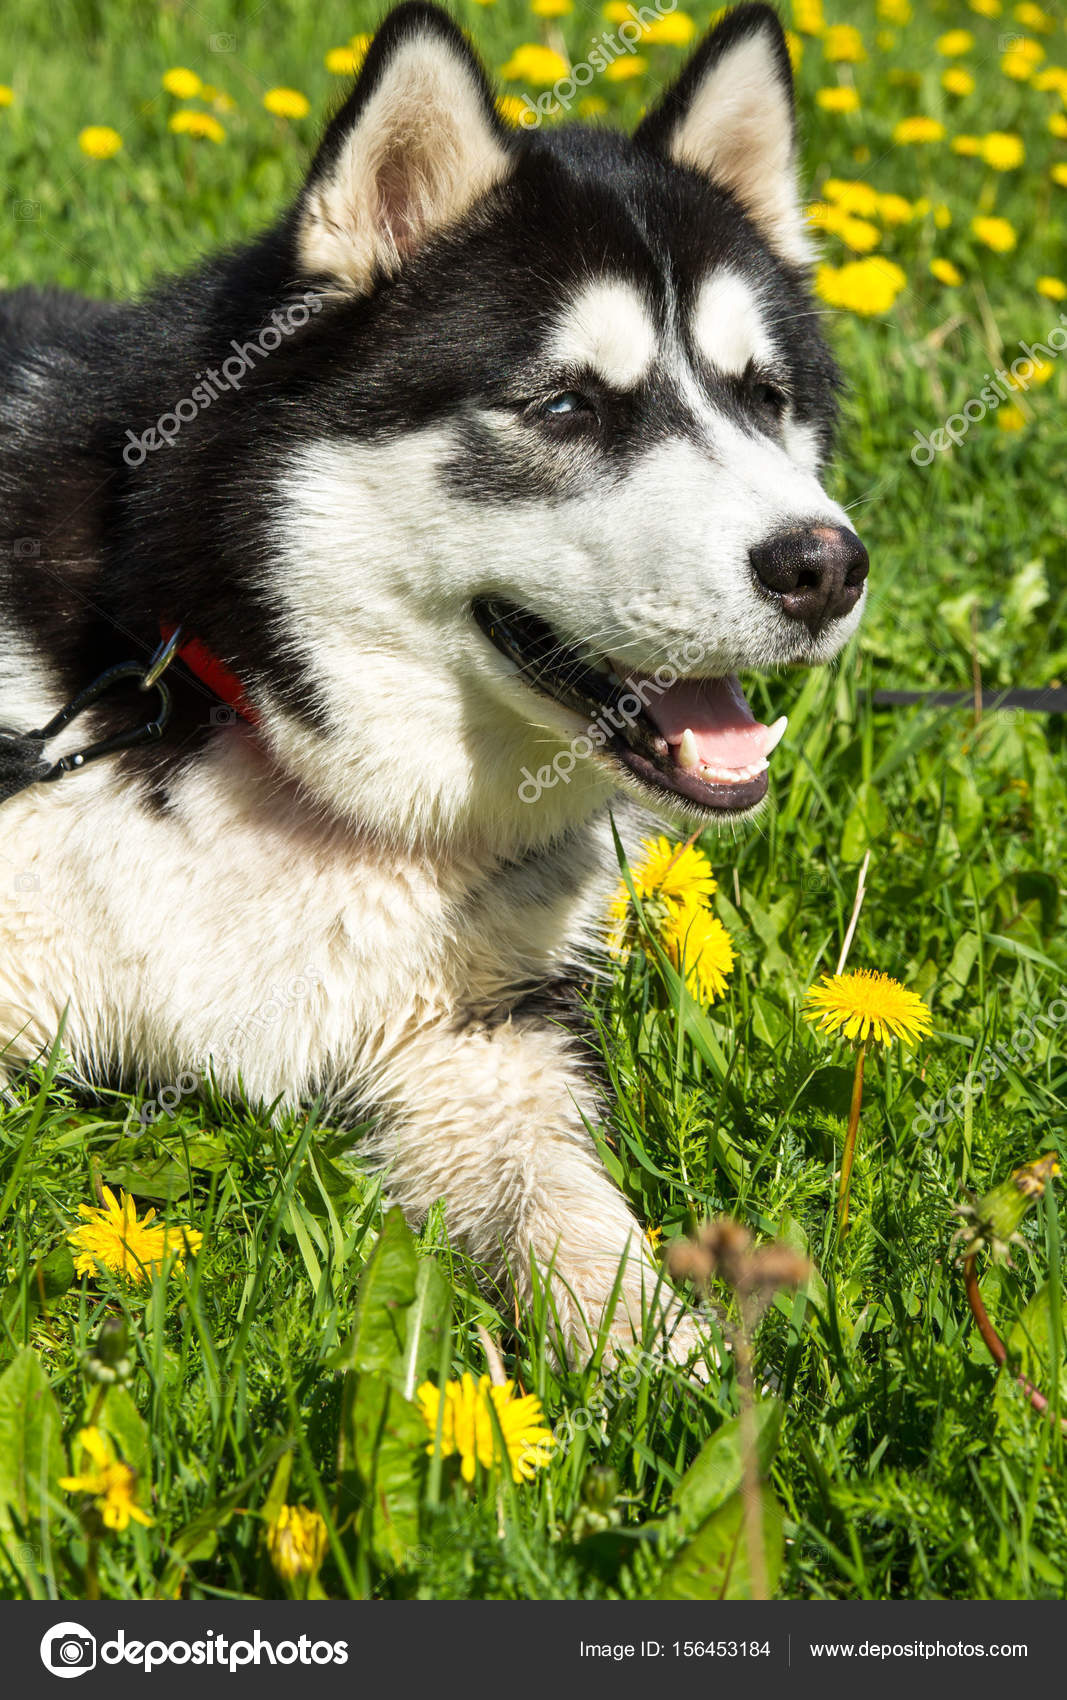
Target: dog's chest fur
(237,927)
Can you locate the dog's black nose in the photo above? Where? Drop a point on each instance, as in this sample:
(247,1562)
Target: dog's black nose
(815,573)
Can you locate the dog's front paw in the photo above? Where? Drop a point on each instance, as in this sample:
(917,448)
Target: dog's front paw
(646,1325)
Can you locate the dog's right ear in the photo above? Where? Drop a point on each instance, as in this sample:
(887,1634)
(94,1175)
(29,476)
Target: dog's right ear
(415,144)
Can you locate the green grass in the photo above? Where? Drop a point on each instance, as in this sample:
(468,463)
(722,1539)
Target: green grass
(904,1465)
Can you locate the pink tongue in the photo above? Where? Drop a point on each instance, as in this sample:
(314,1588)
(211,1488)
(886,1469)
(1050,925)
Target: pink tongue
(715,711)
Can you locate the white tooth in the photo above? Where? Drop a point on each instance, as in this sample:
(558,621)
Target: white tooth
(776,734)
(688,754)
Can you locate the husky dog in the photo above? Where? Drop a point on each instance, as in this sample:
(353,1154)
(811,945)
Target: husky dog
(471,486)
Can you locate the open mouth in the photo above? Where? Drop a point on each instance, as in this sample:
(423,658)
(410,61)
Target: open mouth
(696,739)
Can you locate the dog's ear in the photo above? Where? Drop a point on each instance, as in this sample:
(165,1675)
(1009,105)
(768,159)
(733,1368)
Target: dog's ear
(731,115)
(415,144)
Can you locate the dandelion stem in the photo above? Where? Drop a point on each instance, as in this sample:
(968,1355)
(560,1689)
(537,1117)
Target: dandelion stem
(849,1154)
(997,1348)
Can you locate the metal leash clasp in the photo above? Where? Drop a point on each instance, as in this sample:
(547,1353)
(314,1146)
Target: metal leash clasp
(150,678)
(21,753)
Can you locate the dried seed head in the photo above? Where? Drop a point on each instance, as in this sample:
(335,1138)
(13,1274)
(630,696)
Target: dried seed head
(724,1248)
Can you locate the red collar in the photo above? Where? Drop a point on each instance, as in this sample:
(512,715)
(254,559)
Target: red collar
(215,674)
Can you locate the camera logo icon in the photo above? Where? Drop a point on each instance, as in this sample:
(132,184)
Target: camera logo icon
(68,1649)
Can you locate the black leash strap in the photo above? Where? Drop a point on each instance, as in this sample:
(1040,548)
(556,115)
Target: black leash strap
(1052,700)
(22,761)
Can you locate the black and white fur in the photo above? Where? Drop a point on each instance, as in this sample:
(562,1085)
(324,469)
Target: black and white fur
(325,530)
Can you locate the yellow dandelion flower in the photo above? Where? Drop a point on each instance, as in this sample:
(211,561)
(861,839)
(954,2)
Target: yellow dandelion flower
(113,1238)
(995,233)
(838,99)
(942,216)
(189,122)
(857,234)
(342,61)
(593,106)
(957,81)
(1052,288)
(1040,373)
(1052,80)
(852,196)
(7,95)
(946,272)
(953,43)
(618,12)
(969,147)
(678,873)
(287,103)
(654,1236)
(1002,151)
(986,8)
(512,108)
(1022,59)
(795,46)
(538,66)
(894,11)
(895,209)
(843,44)
(1011,419)
(868,287)
(360,44)
(808,17)
(469,1432)
(1033,18)
(296,1542)
(182,83)
(1059,175)
(864,1003)
(1058,124)
(100,141)
(677,29)
(108,1481)
(551,8)
(917,129)
(624,70)
(695,939)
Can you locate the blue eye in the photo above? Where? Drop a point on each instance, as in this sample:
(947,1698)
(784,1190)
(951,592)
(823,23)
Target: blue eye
(559,406)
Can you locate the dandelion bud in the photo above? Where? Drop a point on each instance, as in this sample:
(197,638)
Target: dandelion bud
(993,1221)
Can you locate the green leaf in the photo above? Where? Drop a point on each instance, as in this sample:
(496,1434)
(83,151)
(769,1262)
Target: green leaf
(38,1285)
(31,1447)
(119,1417)
(1030,1353)
(714,1563)
(427,1321)
(400,1317)
(386,1293)
(716,1472)
(867,821)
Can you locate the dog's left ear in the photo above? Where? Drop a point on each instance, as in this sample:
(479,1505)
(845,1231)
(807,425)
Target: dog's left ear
(415,144)
(731,116)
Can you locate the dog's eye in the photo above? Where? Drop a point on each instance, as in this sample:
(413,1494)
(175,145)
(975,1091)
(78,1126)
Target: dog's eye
(569,404)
